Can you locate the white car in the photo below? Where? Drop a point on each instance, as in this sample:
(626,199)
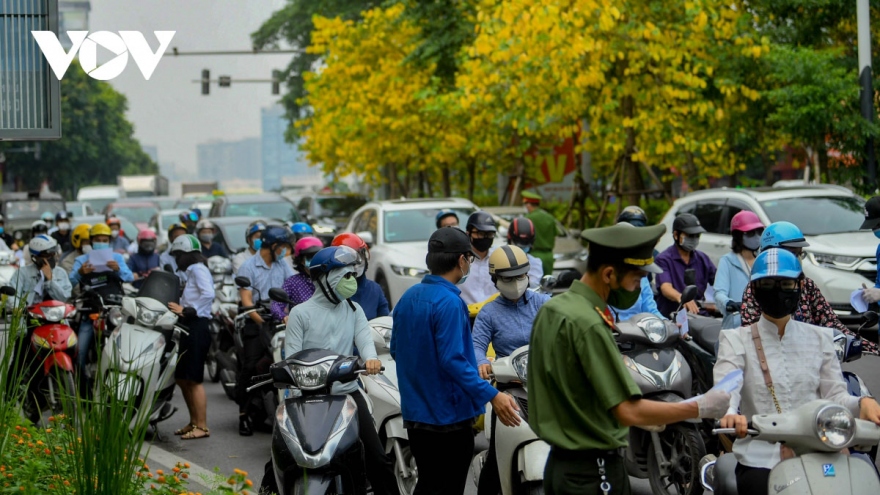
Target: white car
(840,257)
(397,232)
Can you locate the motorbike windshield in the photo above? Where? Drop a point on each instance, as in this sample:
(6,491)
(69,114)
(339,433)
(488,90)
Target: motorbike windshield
(161,286)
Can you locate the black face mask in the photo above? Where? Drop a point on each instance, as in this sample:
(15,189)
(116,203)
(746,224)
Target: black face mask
(482,245)
(777,303)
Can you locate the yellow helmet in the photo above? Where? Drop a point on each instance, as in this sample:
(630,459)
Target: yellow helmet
(79,234)
(508,261)
(100,229)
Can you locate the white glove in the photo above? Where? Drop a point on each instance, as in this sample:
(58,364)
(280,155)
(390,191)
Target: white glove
(713,404)
(871,295)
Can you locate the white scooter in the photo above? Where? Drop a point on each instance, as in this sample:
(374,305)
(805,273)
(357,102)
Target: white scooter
(140,356)
(816,432)
(383,397)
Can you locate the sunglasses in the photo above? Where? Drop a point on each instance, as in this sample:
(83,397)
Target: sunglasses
(785,284)
(348,275)
(517,278)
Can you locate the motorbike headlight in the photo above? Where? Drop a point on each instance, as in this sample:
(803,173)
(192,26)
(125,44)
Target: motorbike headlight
(115,316)
(835,426)
(148,317)
(219,265)
(521,366)
(840,345)
(53,313)
(311,377)
(654,329)
(404,271)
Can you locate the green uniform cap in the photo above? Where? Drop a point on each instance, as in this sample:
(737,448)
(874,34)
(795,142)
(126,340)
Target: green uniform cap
(625,243)
(530,197)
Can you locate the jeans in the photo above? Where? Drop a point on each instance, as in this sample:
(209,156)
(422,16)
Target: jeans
(84,339)
(443,459)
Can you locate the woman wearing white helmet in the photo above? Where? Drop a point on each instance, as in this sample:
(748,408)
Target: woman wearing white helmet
(206,231)
(41,279)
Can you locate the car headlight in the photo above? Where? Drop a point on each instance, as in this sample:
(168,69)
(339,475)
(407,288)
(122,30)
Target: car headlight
(404,271)
(521,366)
(654,329)
(835,426)
(833,260)
(148,317)
(311,377)
(219,265)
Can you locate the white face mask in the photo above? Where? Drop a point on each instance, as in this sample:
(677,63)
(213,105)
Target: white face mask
(64,226)
(86,248)
(513,290)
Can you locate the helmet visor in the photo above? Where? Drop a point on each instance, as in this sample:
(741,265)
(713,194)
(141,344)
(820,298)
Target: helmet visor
(346,256)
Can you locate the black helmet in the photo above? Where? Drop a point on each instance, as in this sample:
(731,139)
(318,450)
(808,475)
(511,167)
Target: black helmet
(521,232)
(61,215)
(482,221)
(274,235)
(633,215)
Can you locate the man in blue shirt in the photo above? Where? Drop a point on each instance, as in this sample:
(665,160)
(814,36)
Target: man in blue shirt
(872,221)
(265,270)
(441,390)
(635,216)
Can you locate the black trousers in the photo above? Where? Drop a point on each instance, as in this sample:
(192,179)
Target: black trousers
(751,480)
(577,473)
(443,459)
(490,480)
(253,351)
(380,469)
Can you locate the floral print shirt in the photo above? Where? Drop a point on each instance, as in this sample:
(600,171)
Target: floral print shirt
(812,308)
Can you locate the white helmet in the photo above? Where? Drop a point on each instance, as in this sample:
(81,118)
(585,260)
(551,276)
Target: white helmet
(186,243)
(41,244)
(205,224)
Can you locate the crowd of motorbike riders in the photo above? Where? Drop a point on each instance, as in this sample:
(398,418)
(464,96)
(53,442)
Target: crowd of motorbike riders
(582,398)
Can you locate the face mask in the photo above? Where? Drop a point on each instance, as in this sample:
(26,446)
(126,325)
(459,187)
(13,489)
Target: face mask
(307,262)
(465,276)
(346,288)
(101,245)
(752,242)
(257,244)
(513,290)
(86,248)
(51,262)
(482,245)
(206,238)
(688,243)
(621,298)
(148,247)
(1,229)
(527,249)
(876,232)
(282,254)
(64,226)
(777,303)
(114,233)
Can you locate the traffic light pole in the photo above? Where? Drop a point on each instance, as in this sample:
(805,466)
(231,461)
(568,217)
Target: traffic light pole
(863,16)
(226,81)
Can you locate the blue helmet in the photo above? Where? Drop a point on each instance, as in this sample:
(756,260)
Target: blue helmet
(302,228)
(775,262)
(253,228)
(443,214)
(782,234)
(330,258)
(274,235)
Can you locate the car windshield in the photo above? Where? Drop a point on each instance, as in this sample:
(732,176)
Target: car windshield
(31,209)
(339,206)
(818,215)
(98,204)
(275,209)
(169,218)
(234,236)
(166,203)
(137,214)
(417,225)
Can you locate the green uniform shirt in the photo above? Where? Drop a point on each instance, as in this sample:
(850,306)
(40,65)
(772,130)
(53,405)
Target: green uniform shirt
(576,374)
(545,230)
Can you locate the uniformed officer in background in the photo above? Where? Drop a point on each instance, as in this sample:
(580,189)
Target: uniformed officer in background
(581,396)
(545,230)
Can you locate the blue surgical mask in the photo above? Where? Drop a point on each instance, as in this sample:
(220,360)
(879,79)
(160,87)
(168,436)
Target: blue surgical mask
(876,233)
(464,278)
(527,249)
(283,253)
(100,245)
(307,262)
(1,229)
(257,244)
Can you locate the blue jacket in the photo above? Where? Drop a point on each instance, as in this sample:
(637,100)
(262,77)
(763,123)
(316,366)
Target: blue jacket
(371,298)
(645,304)
(141,264)
(731,281)
(877,255)
(436,367)
(506,324)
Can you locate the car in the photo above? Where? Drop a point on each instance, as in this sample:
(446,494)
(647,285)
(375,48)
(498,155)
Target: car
(328,213)
(569,254)
(203,203)
(160,223)
(397,232)
(80,208)
(138,210)
(230,231)
(129,229)
(164,202)
(269,205)
(840,257)
(21,209)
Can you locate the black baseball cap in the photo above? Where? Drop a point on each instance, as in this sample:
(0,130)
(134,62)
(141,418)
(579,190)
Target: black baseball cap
(687,223)
(450,240)
(872,214)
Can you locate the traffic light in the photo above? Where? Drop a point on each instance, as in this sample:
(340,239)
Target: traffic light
(276,82)
(206,82)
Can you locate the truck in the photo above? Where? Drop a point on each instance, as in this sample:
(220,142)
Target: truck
(143,186)
(196,189)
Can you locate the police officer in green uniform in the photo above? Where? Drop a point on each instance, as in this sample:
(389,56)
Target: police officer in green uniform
(545,230)
(581,396)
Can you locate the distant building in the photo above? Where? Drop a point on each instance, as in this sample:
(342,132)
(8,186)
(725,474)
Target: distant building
(73,15)
(225,160)
(280,158)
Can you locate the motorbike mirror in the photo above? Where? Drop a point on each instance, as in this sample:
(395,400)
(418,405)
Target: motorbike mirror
(567,278)
(168,268)
(548,282)
(689,294)
(242,282)
(690,277)
(7,290)
(869,319)
(278,295)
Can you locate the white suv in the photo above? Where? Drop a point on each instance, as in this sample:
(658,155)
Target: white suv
(840,257)
(398,232)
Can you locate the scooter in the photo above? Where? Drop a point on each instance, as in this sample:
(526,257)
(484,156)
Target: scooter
(224,309)
(520,455)
(816,432)
(8,266)
(140,356)
(666,456)
(315,440)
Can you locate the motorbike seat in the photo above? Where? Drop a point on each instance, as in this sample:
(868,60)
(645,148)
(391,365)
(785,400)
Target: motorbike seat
(725,475)
(705,332)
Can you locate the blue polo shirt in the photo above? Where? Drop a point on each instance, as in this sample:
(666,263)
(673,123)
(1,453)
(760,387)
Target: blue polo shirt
(264,277)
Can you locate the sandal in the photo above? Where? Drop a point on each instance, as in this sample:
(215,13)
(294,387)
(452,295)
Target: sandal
(186,429)
(191,435)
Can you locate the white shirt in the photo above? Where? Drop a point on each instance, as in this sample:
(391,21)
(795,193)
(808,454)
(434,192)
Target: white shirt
(240,258)
(803,366)
(478,287)
(199,290)
(536,271)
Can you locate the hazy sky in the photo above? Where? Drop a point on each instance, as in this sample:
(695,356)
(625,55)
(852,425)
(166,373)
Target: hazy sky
(169,110)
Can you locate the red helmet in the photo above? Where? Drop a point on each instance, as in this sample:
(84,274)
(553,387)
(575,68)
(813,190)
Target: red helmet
(521,232)
(146,235)
(114,221)
(351,240)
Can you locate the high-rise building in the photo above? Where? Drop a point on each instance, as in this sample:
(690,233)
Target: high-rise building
(73,15)
(280,158)
(224,160)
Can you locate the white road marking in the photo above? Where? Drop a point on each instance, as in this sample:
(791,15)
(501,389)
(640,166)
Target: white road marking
(197,474)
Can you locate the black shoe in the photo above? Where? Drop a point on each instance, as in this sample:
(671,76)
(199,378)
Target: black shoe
(245,427)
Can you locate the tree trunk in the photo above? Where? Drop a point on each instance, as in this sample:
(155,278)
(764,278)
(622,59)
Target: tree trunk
(392,181)
(447,183)
(472,177)
(427,179)
(632,170)
(517,183)
(824,174)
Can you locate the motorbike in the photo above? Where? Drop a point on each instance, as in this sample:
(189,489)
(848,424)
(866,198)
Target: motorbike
(315,440)
(8,267)
(666,456)
(224,309)
(817,432)
(139,358)
(383,396)
(106,315)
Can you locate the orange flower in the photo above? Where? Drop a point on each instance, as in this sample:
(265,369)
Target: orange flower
(239,471)
(230,481)
(176,469)
(160,472)
(21,488)
(186,465)
(161,479)
(176,479)
(152,487)
(249,483)
(51,418)
(66,483)
(184,476)
(47,451)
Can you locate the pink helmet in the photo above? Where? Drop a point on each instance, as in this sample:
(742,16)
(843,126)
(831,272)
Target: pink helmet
(745,221)
(305,244)
(146,235)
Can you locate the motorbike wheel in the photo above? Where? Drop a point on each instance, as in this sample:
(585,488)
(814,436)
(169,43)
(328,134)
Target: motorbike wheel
(213,368)
(535,488)
(683,448)
(407,486)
